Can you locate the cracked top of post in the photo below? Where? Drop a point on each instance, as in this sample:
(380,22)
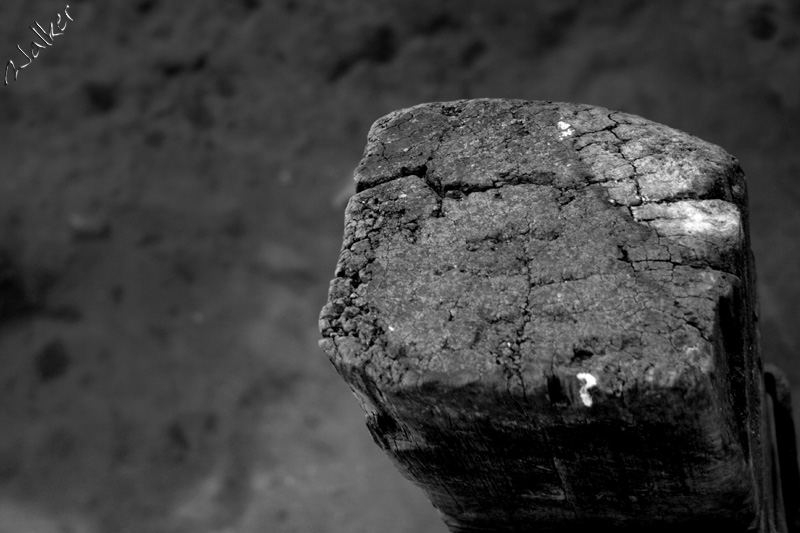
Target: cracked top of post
(469,145)
(528,243)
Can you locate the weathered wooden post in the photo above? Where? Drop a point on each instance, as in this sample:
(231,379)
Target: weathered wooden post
(548,313)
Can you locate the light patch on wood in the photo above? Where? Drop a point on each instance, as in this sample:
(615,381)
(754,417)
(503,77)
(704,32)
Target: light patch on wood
(565,130)
(365,403)
(701,357)
(589,381)
(711,218)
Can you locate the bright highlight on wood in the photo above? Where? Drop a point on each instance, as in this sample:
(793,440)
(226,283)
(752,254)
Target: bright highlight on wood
(589,381)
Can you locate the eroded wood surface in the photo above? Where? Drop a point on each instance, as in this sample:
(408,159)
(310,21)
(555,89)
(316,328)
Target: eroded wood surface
(547,313)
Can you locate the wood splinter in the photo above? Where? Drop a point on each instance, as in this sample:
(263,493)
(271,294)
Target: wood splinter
(547,312)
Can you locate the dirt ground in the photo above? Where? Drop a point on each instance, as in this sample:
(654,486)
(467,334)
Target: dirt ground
(172,189)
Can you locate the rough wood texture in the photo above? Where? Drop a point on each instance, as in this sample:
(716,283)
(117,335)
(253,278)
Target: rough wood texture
(547,312)
(788,472)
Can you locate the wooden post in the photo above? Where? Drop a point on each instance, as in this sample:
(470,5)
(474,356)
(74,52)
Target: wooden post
(547,312)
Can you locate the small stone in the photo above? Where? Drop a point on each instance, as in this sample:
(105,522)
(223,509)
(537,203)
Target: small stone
(89,227)
(52,361)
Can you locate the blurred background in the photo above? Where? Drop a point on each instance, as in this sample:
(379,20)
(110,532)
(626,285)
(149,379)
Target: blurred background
(173,177)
